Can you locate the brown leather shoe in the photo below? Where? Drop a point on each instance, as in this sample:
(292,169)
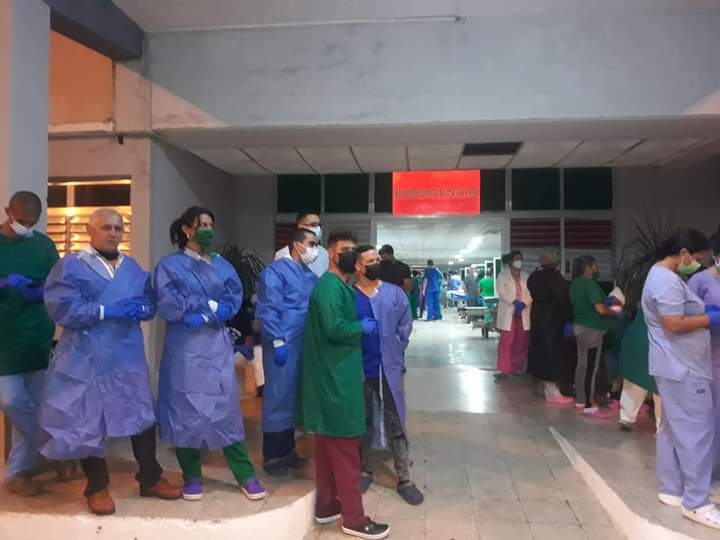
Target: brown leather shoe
(101,503)
(162,490)
(23,486)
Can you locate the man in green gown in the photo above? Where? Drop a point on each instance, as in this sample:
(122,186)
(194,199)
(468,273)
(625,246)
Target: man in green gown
(414,295)
(332,399)
(26,333)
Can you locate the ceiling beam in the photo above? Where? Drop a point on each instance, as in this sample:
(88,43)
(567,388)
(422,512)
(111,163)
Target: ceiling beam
(99,25)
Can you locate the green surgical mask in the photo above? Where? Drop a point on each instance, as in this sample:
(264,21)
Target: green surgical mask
(688,269)
(596,275)
(204,237)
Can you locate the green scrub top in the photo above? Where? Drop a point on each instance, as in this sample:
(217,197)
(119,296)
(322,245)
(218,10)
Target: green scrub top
(487,287)
(585,293)
(332,375)
(26,331)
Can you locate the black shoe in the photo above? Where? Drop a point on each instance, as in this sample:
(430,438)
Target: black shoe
(293,461)
(410,493)
(276,467)
(626,427)
(365,481)
(369,531)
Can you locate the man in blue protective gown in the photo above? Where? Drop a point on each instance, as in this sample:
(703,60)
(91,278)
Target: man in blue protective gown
(383,362)
(283,294)
(432,281)
(97,385)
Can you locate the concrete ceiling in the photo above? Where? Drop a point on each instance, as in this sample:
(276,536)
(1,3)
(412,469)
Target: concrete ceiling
(178,15)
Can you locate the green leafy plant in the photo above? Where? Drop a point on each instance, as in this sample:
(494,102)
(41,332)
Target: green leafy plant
(247,265)
(638,256)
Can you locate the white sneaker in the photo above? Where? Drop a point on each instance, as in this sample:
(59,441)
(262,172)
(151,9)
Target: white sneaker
(670,500)
(708,515)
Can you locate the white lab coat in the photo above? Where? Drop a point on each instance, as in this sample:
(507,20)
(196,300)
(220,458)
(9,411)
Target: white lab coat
(506,291)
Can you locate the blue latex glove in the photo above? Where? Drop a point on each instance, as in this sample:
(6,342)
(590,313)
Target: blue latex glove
(140,311)
(609,301)
(369,326)
(119,310)
(519,307)
(194,320)
(281,355)
(714,318)
(246,351)
(32,294)
(568,330)
(15,281)
(224,312)
(710,308)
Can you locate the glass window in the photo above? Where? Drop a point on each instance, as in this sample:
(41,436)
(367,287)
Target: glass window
(535,189)
(492,190)
(383,193)
(103,195)
(588,188)
(57,196)
(347,193)
(298,193)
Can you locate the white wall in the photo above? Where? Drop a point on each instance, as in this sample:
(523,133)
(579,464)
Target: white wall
(475,69)
(691,196)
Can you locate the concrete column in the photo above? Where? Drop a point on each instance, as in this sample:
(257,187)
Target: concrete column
(24,59)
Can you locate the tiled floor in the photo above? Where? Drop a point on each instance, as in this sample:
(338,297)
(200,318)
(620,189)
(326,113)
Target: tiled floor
(482,453)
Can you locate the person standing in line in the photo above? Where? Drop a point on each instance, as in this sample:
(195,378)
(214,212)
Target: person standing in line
(590,307)
(680,361)
(415,294)
(311,222)
(333,405)
(98,385)
(198,405)
(283,294)
(706,285)
(550,311)
(471,286)
(432,285)
(486,284)
(394,271)
(383,365)
(513,317)
(26,334)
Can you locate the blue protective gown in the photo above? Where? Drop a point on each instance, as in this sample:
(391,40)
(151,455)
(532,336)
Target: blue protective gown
(283,293)
(432,281)
(97,385)
(198,400)
(392,310)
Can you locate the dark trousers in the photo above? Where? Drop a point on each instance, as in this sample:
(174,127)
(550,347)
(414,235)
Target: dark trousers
(144,448)
(337,479)
(278,444)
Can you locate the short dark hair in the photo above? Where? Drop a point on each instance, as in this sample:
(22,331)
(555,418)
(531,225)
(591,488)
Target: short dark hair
(430,262)
(298,235)
(363,248)
(302,215)
(514,253)
(28,200)
(691,239)
(188,219)
(341,236)
(580,264)
(387,249)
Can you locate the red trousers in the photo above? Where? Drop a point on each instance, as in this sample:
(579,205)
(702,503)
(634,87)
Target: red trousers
(512,349)
(337,479)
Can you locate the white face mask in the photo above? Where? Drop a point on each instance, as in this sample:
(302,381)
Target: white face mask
(317,230)
(310,255)
(517,265)
(21,230)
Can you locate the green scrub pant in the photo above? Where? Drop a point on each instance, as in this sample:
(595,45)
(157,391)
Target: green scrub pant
(413,297)
(236,456)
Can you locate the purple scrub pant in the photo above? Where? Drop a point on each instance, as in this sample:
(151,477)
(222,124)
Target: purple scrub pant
(685,440)
(716,414)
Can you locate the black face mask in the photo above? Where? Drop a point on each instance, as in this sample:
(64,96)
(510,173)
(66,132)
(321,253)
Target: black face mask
(109,255)
(346,261)
(372,271)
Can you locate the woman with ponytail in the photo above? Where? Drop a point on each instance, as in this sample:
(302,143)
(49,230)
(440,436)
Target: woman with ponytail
(198,403)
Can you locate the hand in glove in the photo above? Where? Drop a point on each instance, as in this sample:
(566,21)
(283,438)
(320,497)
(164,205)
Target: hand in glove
(15,281)
(194,320)
(519,307)
(369,326)
(568,330)
(223,312)
(710,308)
(141,311)
(246,351)
(281,353)
(714,317)
(32,294)
(119,310)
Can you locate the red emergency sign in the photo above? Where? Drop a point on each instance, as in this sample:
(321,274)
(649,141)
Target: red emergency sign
(436,193)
